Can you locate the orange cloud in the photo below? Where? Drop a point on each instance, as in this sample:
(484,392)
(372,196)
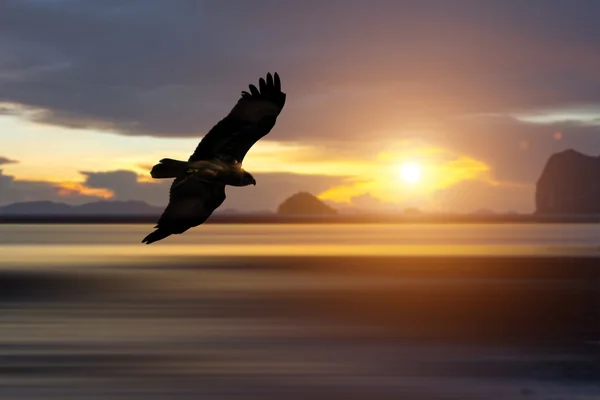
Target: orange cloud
(73,189)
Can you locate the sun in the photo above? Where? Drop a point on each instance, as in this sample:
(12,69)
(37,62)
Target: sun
(410,172)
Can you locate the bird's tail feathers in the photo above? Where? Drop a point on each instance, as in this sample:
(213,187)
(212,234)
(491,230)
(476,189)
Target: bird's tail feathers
(169,168)
(155,236)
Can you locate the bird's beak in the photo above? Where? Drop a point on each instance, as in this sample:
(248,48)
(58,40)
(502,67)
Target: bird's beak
(254,182)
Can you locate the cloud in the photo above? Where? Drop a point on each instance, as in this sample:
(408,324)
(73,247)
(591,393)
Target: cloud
(14,190)
(348,70)
(5,160)
(126,185)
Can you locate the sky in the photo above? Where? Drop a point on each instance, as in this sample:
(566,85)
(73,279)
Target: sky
(477,93)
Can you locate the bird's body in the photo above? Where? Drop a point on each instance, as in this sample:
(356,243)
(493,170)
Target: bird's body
(215,170)
(199,185)
(219,171)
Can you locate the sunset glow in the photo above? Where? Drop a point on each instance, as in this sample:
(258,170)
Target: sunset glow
(394,177)
(393,114)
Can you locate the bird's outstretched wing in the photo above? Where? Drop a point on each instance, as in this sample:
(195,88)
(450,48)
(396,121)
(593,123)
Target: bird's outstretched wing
(253,117)
(191,202)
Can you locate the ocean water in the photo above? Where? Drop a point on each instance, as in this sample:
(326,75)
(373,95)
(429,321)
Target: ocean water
(101,243)
(269,311)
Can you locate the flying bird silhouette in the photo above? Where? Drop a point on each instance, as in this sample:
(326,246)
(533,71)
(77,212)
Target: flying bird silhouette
(199,185)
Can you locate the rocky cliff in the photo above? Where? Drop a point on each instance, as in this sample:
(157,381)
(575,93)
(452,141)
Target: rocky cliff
(304,203)
(569,184)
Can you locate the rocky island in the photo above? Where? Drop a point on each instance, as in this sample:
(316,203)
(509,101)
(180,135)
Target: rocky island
(569,185)
(304,203)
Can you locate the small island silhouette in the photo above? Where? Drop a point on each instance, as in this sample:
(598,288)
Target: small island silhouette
(304,203)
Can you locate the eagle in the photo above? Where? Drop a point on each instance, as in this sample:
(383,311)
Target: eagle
(199,185)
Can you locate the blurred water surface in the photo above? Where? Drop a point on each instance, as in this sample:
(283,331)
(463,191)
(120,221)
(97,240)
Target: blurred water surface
(100,243)
(300,311)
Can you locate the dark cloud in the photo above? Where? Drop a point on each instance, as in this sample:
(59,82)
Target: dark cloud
(126,186)
(5,160)
(352,70)
(174,68)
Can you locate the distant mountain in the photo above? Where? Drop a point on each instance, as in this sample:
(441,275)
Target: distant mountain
(304,203)
(108,208)
(569,184)
(36,208)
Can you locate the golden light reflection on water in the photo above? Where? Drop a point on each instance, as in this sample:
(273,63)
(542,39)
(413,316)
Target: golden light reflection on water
(96,254)
(94,244)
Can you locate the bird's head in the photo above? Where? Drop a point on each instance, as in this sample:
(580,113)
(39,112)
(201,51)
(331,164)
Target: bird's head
(248,179)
